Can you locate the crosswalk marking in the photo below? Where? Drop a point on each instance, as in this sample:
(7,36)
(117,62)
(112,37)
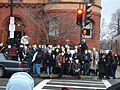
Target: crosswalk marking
(107,84)
(3,87)
(78,83)
(41,84)
(84,81)
(50,84)
(78,87)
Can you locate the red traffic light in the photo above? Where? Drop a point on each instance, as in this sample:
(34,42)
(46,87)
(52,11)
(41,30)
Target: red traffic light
(79,17)
(79,11)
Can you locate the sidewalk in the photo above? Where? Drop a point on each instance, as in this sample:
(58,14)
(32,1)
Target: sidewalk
(54,76)
(118,72)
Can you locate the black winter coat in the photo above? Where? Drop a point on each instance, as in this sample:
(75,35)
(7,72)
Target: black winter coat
(38,59)
(49,59)
(102,65)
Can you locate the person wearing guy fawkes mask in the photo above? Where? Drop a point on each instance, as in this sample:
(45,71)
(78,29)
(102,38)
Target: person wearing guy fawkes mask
(102,66)
(60,63)
(75,54)
(109,61)
(86,63)
(83,46)
(20,52)
(94,61)
(55,53)
(76,68)
(49,62)
(115,63)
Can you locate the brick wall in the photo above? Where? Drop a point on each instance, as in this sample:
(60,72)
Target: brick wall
(68,28)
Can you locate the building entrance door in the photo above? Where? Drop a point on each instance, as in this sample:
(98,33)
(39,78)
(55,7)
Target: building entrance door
(17,34)
(19,29)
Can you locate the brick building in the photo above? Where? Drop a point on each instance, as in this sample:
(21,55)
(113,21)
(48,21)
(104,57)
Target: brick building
(50,21)
(116,45)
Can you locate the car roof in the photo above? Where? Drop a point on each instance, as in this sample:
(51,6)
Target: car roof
(1,54)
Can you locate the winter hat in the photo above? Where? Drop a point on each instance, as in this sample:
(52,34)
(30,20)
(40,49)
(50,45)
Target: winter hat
(20,81)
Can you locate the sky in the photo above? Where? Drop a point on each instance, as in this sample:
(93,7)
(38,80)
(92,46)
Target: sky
(109,7)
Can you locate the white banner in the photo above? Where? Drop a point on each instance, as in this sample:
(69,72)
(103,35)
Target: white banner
(12,20)
(11,27)
(11,34)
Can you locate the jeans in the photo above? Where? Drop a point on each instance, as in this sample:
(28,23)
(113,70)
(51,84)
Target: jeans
(86,68)
(61,70)
(36,68)
(49,70)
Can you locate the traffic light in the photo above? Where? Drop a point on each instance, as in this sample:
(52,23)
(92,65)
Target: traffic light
(79,17)
(86,31)
(87,14)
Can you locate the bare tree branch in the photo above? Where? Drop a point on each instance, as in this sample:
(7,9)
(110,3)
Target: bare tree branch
(113,25)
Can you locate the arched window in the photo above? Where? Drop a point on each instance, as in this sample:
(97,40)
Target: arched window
(53,27)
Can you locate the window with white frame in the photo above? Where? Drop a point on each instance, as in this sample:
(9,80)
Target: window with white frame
(89,26)
(88,1)
(53,27)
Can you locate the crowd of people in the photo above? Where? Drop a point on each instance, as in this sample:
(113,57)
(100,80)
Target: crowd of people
(56,59)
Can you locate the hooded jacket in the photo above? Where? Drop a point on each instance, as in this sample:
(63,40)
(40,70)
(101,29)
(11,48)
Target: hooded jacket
(20,81)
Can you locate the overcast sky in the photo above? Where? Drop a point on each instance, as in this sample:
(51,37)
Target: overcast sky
(109,7)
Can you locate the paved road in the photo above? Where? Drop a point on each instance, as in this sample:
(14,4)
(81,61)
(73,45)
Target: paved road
(86,83)
(118,72)
(57,84)
(3,82)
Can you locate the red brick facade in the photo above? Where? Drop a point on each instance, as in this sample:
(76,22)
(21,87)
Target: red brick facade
(36,32)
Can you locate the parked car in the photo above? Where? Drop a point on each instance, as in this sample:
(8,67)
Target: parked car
(10,66)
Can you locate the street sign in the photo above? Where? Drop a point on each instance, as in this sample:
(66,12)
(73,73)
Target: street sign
(11,27)
(12,20)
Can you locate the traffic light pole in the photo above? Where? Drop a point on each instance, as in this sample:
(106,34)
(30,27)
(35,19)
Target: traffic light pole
(81,33)
(11,8)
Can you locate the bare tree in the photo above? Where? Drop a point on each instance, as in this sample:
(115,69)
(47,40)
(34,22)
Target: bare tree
(104,35)
(50,23)
(113,25)
(103,29)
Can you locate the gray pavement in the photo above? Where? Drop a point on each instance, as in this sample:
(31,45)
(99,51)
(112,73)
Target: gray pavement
(57,84)
(118,72)
(69,81)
